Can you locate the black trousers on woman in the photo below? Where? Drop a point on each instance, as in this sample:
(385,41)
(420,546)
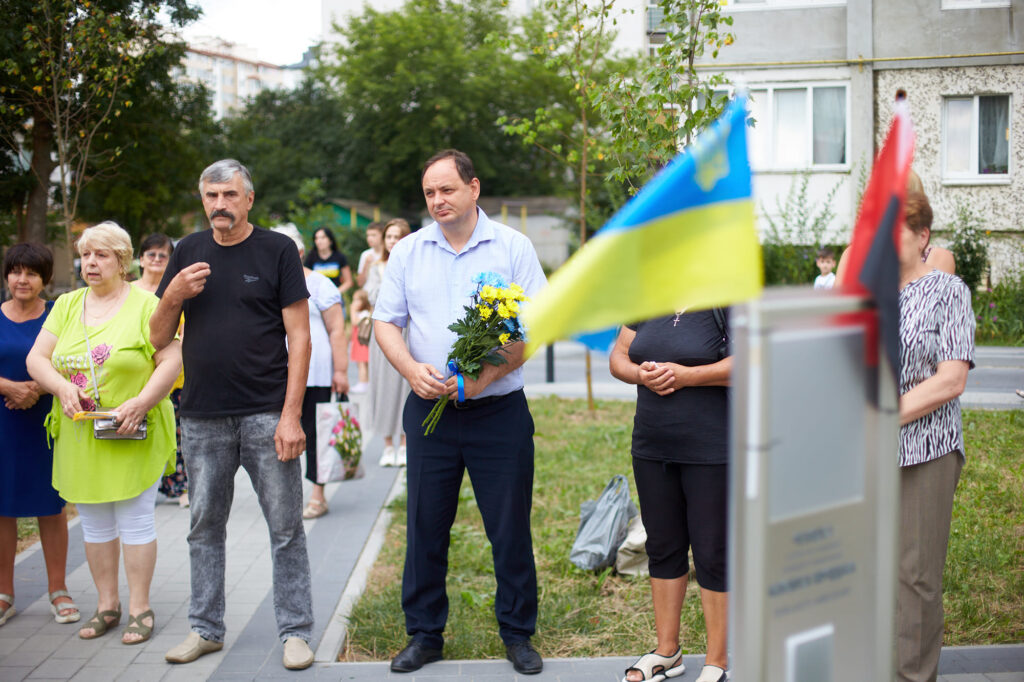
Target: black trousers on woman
(492,439)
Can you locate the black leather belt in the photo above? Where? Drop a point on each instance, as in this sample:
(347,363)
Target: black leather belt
(478,402)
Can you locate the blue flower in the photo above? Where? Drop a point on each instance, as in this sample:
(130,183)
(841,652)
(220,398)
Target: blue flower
(491,278)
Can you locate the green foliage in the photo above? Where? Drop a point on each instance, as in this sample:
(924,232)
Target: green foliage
(573,40)
(310,213)
(429,76)
(68,69)
(968,245)
(797,229)
(999,312)
(286,138)
(166,140)
(656,109)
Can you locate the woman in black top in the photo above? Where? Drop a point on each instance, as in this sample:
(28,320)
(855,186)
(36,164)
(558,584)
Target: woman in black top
(680,452)
(328,261)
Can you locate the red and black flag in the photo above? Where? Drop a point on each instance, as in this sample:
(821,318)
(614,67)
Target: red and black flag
(872,260)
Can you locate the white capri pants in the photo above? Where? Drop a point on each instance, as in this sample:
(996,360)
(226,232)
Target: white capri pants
(132,520)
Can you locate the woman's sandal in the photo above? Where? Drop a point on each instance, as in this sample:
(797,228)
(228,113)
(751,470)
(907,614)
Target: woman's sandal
(137,627)
(99,623)
(69,605)
(655,667)
(8,613)
(314,509)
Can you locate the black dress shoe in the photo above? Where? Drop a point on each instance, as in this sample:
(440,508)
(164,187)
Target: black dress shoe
(524,657)
(415,656)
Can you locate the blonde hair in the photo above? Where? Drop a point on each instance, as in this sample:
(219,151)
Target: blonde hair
(110,236)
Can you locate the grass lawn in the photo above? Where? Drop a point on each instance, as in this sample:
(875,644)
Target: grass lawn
(582,614)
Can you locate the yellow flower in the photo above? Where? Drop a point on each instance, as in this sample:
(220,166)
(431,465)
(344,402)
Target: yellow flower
(503,339)
(488,293)
(517,292)
(503,311)
(511,304)
(485,311)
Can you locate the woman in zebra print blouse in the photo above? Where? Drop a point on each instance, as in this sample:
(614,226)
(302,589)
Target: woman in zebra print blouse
(936,350)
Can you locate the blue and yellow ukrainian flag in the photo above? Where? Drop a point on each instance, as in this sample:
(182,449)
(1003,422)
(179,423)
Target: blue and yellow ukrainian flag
(686,240)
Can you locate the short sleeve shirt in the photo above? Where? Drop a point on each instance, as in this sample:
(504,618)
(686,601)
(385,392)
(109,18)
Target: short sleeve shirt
(329,267)
(119,355)
(688,426)
(235,358)
(322,295)
(427,286)
(936,325)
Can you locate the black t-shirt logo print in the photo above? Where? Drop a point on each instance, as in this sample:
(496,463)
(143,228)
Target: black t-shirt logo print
(249,279)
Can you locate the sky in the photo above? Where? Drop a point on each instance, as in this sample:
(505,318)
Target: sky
(280,31)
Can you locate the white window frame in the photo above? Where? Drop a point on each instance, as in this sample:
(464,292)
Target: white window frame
(754,5)
(808,87)
(974,177)
(974,4)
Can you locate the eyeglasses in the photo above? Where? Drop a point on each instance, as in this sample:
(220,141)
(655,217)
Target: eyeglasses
(156,255)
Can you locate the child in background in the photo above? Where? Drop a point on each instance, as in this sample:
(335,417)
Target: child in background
(360,354)
(826,262)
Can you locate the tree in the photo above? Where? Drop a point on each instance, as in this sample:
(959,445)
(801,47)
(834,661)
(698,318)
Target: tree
(287,138)
(65,67)
(165,140)
(658,108)
(575,39)
(429,76)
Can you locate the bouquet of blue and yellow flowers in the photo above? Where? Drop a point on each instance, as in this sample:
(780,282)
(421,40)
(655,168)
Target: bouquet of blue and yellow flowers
(491,322)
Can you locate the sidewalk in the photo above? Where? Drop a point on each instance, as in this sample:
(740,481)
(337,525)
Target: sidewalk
(342,546)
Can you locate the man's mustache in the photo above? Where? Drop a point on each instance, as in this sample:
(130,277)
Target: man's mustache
(222,213)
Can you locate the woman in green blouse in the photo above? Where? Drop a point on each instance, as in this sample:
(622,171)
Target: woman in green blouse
(93,354)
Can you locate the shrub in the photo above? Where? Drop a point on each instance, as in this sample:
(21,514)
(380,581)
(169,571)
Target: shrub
(999,312)
(968,245)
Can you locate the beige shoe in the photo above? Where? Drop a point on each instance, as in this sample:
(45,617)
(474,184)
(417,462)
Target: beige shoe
(192,648)
(297,654)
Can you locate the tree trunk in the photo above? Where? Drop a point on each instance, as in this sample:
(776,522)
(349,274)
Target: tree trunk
(42,166)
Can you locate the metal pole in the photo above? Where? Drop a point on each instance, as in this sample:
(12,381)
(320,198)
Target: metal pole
(549,361)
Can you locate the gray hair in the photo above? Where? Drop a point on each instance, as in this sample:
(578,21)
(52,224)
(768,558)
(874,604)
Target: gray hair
(223,171)
(111,236)
(289,230)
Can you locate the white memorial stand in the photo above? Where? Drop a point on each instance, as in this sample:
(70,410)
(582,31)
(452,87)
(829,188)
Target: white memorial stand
(814,494)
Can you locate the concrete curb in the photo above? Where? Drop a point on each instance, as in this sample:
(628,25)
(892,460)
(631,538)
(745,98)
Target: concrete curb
(337,629)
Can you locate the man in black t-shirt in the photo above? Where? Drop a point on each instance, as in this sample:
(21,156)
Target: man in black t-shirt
(243,293)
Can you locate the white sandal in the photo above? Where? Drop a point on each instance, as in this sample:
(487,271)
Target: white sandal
(56,609)
(8,613)
(655,667)
(712,673)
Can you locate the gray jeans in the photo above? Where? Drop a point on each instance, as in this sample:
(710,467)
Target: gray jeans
(213,450)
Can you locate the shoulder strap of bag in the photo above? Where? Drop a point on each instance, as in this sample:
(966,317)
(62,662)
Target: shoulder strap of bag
(88,355)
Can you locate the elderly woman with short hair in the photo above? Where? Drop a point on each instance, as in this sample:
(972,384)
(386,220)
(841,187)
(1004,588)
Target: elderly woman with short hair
(94,354)
(936,351)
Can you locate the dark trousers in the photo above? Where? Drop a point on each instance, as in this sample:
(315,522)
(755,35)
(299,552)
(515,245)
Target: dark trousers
(494,442)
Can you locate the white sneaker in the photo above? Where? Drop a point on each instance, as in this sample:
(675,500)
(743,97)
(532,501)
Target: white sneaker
(400,456)
(387,459)
(360,387)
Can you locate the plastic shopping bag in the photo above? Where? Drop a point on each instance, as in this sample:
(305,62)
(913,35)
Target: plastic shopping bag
(339,442)
(603,526)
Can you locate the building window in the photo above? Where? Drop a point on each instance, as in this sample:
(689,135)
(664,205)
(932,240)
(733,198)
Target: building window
(976,138)
(799,127)
(974,4)
(655,19)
